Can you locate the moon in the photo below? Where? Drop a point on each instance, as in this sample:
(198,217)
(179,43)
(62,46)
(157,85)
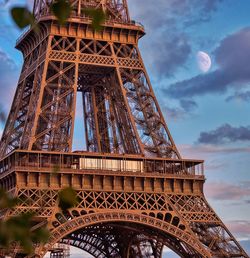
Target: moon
(204,61)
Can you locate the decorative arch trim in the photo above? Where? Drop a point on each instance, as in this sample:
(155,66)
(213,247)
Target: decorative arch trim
(95,218)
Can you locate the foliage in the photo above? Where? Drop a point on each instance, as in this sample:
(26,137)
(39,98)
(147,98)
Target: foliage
(18,229)
(98,17)
(61,9)
(22,16)
(67,198)
(6,201)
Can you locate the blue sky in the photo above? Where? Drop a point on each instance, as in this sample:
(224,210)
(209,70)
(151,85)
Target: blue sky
(207,113)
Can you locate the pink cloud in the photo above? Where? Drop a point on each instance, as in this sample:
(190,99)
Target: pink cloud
(227,191)
(240,228)
(200,150)
(215,165)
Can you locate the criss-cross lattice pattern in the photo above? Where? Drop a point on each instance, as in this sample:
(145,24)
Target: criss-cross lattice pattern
(135,192)
(116,10)
(193,208)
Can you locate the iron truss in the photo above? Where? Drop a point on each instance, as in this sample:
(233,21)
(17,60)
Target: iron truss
(121,113)
(120,213)
(136,194)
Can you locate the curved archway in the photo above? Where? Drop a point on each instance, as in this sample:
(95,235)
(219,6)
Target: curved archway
(110,240)
(161,228)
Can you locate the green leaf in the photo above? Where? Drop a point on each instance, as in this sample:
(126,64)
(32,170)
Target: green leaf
(17,229)
(7,201)
(98,17)
(4,235)
(41,235)
(61,9)
(22,17)
(67,198)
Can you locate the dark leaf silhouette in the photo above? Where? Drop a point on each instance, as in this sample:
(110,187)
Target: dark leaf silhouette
(98,17)
(19,229)
(7,201)
(22,17)
(41,235)
(67,198)
(61,9)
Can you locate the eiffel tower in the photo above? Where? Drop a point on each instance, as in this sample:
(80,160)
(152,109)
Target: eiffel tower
(136,194)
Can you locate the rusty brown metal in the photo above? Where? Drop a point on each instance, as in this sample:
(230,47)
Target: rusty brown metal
(136,194)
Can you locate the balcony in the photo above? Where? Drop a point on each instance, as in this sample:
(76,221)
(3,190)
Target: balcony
(80,162)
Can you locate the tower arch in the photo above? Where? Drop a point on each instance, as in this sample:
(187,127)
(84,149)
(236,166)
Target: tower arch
(131,171)
(151,228)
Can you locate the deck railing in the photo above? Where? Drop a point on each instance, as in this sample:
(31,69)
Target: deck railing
(82,19)
(87,161)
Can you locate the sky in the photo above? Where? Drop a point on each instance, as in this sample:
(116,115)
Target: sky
(206,112)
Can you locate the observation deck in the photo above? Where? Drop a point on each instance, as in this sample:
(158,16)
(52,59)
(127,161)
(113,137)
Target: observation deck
(94,170)
(89,161)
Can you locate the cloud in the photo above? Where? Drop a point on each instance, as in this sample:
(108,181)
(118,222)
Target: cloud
(177,113)
(225,134)
(186,108)
(240,228)
(239,96)
(213,82)
(208,148)
(234,49)
(8,82)
(152,15)
(222,191)
(215,165)
(7,63)
(169,47)
(167,53)
(187,104)
(174,113)
(165,12)
(205,11)
(199,151)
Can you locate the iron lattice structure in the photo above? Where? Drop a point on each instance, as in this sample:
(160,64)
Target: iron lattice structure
(136,194)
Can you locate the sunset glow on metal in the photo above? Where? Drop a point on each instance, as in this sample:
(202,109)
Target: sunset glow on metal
(146,120)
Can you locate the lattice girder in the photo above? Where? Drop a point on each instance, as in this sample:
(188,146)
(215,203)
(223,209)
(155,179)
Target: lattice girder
(157,206)
(114,240)
(142,220)
(116,10)
(131,182)
(24,104)
(174,208)
(112,123)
